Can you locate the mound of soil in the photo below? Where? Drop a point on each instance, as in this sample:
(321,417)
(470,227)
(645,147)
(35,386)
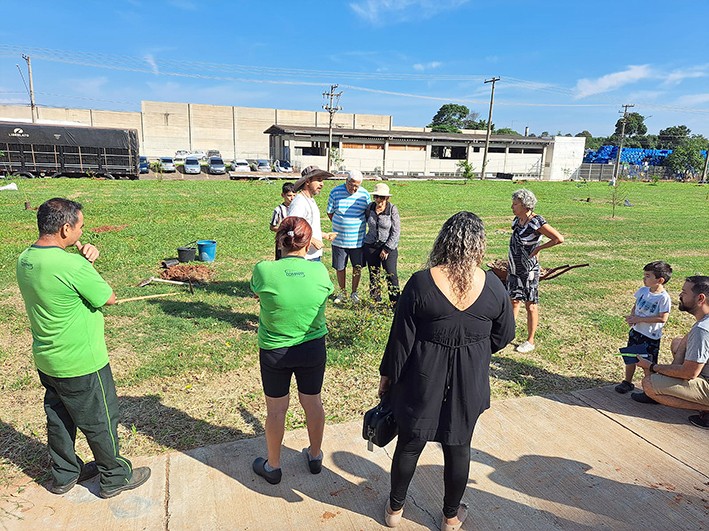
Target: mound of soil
(185,273)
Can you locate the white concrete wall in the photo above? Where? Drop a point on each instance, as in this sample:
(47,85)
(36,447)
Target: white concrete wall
(564,158)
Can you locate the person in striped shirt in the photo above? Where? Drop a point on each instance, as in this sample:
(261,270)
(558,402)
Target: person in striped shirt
(345,208)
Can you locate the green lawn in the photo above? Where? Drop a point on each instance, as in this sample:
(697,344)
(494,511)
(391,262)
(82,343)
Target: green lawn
(186,366)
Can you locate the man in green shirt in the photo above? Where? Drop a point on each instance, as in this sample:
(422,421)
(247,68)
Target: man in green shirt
(63,295)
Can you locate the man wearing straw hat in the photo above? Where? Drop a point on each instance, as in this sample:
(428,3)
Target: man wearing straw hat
(304,206)
(63,295)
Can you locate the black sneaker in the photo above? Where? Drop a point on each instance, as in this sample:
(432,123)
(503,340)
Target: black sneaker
(315,465)
(623,387)
(140,476)
(273,477)
(642,398)
(88,471)
(701,420)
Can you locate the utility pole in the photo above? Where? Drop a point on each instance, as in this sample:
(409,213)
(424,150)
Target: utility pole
(332,106)
(489,124)
(616,170)
(29,73)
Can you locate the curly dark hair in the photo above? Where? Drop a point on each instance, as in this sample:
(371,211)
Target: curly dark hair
(459,249)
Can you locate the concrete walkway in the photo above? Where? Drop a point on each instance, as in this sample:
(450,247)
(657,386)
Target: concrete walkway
(589,460)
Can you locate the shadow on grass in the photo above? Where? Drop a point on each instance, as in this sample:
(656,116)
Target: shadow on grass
(200,310)
(26,453)
(236,288)
(535,380)
(174,428)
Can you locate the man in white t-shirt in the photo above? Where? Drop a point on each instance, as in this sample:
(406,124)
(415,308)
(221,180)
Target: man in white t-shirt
(684,383)
(304,206)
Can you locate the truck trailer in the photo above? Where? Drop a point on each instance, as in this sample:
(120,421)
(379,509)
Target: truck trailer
(46,150)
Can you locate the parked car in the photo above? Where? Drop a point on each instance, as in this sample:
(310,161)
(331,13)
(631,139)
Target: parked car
(168,164)
(283,166)
(181,154)
(214,153)
(198,153)
(144,165)
(240,165)
(216,165)
(263,165)
(192,165)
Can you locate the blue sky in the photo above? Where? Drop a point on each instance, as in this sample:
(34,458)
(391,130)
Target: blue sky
(565,66)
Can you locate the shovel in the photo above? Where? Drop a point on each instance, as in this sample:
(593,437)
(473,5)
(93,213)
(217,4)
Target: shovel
(150,280)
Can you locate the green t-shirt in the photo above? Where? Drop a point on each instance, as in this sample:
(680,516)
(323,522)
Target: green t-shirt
(63,294)
(293,293)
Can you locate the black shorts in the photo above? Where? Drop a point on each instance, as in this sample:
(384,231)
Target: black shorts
(306,361)
(653,345)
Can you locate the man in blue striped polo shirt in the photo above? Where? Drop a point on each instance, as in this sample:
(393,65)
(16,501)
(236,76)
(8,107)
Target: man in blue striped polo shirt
(345,207)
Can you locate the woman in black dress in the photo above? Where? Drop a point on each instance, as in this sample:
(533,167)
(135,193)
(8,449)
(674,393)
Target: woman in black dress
(449,320)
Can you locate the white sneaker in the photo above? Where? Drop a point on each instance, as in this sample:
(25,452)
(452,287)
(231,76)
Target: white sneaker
(340,298)
(354,298)
(525,347)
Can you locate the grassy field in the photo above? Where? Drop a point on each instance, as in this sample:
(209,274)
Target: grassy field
(187,366)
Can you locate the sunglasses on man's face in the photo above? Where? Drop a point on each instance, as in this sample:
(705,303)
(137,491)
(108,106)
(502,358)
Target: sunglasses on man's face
(378,196)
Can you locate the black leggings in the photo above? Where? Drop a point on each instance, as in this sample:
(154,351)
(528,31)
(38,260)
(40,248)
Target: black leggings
(456,468)
(374,261)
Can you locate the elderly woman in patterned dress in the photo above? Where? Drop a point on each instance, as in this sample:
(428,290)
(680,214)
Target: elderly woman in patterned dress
(523,271)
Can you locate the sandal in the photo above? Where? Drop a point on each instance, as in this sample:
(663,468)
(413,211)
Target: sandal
(462,515)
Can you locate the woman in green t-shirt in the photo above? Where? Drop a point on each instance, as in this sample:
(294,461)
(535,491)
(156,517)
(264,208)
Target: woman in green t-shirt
(292,294)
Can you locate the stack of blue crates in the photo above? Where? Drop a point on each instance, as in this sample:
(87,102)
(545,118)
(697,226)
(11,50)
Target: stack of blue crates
(635,156)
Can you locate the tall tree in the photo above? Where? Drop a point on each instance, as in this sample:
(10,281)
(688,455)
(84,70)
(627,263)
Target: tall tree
(634,125)
(453,117)
(672,137)
(505,131)
(686,159)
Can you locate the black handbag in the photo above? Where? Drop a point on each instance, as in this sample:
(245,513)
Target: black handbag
(379,426)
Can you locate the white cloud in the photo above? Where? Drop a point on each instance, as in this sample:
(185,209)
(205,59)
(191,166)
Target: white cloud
(393,11)
(420,67)
(693,99)
(610,82)
(677,76)
(153,65)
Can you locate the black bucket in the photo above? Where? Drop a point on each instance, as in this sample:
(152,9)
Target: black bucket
(186,254)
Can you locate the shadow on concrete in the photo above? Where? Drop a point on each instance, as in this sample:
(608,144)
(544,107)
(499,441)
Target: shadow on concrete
(176,429)
(26,453)
(430,477)
(570,483)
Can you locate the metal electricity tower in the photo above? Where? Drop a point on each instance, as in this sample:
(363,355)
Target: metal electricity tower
(331,106)
(31,89)
(624,120)
(489,124)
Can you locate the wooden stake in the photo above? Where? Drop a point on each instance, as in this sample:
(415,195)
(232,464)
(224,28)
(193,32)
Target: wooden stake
(131,299)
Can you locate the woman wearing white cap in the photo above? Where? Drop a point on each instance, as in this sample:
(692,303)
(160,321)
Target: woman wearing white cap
(381,243)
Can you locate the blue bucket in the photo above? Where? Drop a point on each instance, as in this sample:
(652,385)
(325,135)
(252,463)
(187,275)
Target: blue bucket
(207,250)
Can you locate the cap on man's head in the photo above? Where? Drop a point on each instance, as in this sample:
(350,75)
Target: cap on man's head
(355,175)
(310,172)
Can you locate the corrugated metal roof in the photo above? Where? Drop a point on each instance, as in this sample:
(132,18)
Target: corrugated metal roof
(401,136)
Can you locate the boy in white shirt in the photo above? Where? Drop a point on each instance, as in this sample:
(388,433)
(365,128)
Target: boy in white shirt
(648,316)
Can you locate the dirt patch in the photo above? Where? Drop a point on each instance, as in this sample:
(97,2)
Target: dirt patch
(188,273)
